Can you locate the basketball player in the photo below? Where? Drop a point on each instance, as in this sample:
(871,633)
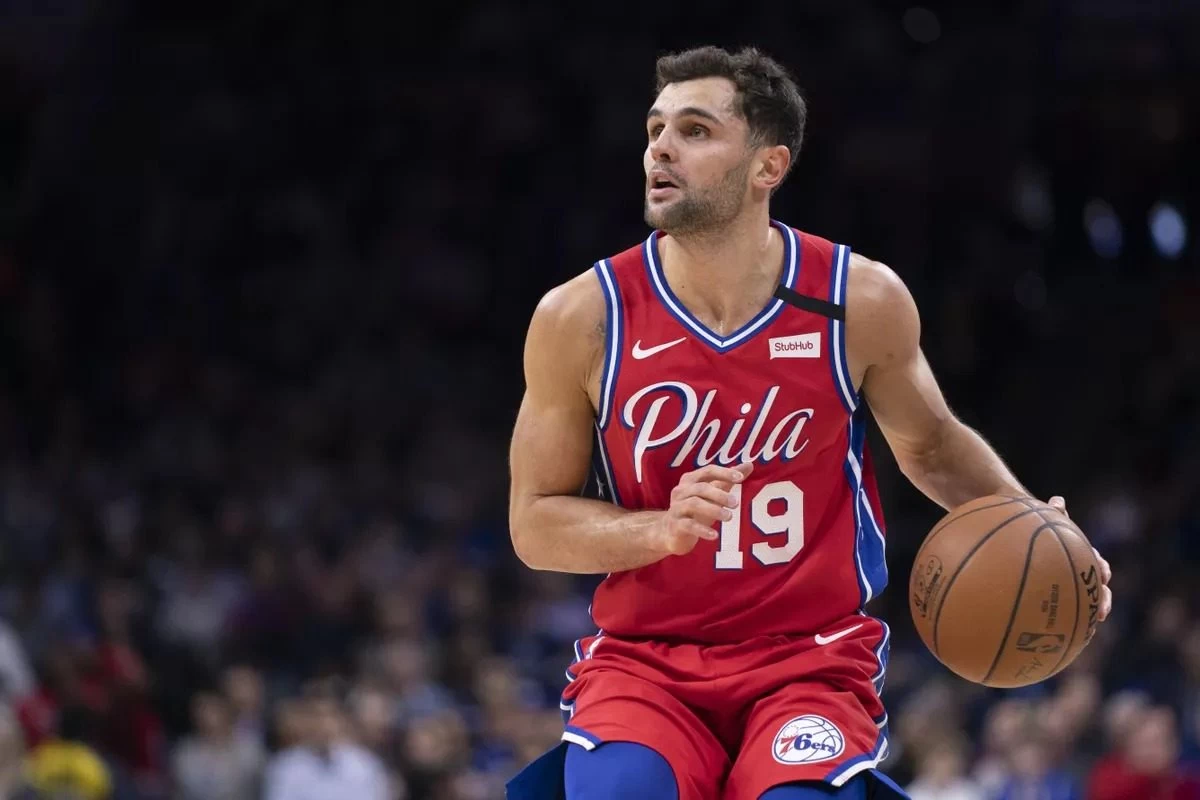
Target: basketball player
(719,374)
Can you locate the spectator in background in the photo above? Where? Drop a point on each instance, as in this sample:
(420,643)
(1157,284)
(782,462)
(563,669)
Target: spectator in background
(256,389)
(1189,656)
(16,675)
(326,763)
(214,763)
(133,728)
(1001,733)
(243,688)
(1146,765)
(1035,774)
(12,754)
(941,773)
(197,598)
(68,765)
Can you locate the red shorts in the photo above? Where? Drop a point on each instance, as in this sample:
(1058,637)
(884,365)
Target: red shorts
(735,720)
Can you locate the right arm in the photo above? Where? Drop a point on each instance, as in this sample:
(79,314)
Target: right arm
(552,527)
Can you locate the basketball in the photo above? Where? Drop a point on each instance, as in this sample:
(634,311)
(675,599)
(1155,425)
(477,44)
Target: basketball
(1005,591)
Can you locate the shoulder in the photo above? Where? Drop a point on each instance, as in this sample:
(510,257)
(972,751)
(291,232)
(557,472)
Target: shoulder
(567,332)
(577,304)
(361,762)
(873,285)
(882,321)
(287,759)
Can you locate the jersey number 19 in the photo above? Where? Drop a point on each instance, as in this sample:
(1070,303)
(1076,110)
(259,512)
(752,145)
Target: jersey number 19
(790,522)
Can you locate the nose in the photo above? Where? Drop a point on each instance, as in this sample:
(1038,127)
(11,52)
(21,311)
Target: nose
(662,148)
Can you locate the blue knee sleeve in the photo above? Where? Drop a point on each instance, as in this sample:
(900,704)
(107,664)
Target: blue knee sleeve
(618,771)
(875,786)
(853,790)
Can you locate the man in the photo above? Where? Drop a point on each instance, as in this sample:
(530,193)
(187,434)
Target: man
(723,368)
(326,762)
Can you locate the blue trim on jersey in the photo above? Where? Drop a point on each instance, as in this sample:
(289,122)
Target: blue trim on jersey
(848,769)
(592,739)
(568,709)
(870,558)
(864,592)
(677,309)
(606,465)
(612,339)
(838,281)
(872,542)
(882,653)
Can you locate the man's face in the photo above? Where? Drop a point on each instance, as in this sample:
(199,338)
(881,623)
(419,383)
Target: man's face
(697,158)
(327,721)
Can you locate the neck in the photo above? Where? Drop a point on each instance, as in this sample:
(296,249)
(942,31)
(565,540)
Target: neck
(725,276)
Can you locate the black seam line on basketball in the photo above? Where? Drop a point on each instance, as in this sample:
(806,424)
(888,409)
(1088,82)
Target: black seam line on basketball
(1070,523)
(1071,526)
(943,525)
(814,304)
(1078,600)
(1012,615)
(937,617)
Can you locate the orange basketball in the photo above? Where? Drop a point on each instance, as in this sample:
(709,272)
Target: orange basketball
(1005,591)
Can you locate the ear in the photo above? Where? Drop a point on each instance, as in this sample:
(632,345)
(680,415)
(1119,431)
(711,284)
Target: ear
(771,166)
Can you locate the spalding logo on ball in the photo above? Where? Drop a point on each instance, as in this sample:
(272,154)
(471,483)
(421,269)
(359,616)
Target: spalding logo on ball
(807,740)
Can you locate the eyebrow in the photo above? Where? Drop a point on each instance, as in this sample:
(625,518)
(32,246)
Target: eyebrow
(688,111)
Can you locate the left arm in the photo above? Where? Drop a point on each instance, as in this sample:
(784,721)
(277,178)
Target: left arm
(943,457)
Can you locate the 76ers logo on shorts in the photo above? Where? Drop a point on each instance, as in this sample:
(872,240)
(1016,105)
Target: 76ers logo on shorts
(807,740)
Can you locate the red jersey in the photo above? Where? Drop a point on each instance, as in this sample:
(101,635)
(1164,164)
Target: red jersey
(806,545)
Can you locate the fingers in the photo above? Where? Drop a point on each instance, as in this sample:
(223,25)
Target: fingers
(703,498)
(705,491)
(1105,569)
(1059,504)
(682,535)
(714,472)
(1105,591)
(706,512)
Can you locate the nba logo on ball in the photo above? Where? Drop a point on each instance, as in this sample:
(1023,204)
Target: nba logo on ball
(807,740)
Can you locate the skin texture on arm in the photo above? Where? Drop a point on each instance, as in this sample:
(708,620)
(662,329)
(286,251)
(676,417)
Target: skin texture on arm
(552,527)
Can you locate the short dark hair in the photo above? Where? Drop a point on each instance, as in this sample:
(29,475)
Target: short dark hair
(767,96)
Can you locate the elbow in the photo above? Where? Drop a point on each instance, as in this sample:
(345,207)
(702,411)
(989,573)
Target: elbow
(927,458)
(520,532)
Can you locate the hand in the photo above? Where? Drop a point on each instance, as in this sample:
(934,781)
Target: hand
(702,498)
(1105,570)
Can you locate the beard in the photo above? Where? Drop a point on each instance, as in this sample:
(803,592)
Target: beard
(702,210)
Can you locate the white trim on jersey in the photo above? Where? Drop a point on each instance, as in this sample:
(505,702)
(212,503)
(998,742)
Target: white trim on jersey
(681,314)
(840,779)
(841,268)
(612,334)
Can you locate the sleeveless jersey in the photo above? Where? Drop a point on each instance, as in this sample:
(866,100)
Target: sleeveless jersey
(805,547)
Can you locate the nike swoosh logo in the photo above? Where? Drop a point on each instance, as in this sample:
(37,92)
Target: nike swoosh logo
(833,637)
(639,353)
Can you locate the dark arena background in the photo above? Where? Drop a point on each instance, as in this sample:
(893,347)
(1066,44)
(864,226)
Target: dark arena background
(265,273)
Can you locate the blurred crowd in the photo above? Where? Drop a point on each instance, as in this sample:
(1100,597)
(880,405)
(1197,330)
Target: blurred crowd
(264,276)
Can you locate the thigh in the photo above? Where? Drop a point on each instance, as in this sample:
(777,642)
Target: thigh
(806,732)
(618,771)
(612,705)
